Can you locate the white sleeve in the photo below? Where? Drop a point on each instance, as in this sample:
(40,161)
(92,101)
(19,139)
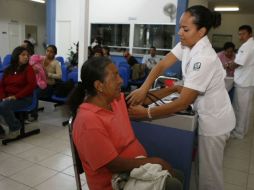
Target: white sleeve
(178,51)
(242,55)
(199,74)
(144,60)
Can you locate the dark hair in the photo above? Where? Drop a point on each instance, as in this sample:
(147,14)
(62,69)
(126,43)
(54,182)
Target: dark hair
(204,17)
(14,65)
(97,49)
(246,27)
(92,70)
(228,45)
(29,46)
(153,47)
(90,52)
(53,47)
(107,49)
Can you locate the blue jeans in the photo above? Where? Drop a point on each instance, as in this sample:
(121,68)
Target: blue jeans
(8,107)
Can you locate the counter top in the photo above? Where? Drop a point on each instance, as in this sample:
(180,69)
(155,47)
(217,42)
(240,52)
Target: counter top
(177,121)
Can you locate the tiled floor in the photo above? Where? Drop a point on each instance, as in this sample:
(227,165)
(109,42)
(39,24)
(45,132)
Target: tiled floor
(40,162)
(43,161)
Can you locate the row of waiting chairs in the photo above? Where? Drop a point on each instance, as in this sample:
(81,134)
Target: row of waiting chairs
(174,71)
(125,73)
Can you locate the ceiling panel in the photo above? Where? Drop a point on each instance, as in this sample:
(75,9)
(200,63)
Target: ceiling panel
(246,6)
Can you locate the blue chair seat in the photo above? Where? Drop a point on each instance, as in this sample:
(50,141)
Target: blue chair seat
(6,61)
(60,59)
(59,99)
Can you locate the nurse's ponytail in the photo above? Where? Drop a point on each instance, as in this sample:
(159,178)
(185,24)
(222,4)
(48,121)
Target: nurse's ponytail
(216,19)
(204,17)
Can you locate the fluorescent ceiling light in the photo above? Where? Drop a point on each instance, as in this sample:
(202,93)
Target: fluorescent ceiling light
(39,1)
(226,8)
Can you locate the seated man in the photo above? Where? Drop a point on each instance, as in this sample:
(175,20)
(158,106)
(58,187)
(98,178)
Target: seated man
(150,60)
(102,131)
(131,60)
(138,71)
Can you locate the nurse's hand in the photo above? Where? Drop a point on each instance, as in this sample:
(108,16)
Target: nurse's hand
(136,97)
(178,88)
(137,112)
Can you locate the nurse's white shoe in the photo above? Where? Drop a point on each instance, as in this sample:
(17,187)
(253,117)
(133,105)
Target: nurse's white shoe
(235,135)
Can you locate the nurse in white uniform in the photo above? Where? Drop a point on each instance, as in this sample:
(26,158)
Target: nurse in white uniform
(243,82)
(204,86)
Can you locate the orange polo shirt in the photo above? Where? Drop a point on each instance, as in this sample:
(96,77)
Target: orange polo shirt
(100,136)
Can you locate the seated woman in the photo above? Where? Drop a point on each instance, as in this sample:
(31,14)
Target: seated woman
(16,90)
(53,71)
(102,131)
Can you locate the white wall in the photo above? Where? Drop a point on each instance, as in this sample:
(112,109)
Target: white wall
(67,25)
(198,2)
(231,23)
(105,11)
(22,13)
(122,11)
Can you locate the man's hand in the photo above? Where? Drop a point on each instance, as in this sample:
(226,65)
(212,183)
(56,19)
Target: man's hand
(136,97)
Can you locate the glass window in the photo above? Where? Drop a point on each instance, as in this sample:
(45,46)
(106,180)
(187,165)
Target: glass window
(160,36)
(116,35)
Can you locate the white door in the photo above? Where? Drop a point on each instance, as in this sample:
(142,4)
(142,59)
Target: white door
(63,38)
(14,36)
(4,40)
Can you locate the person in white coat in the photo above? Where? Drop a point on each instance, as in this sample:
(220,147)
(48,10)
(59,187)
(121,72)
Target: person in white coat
(204,86)
(243,82)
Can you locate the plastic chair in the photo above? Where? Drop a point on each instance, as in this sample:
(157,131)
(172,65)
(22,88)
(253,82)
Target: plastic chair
(64,72)
(73,75)
(60,101)
(174,71)
(21,116)
(1,75)
(6,61)
(125,75)
(60,59)
(77,164)
(117,58)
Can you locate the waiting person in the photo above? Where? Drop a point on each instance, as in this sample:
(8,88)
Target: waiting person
(243,82)
(90,52)
(106,51)
(138,71)
(53,71)
(16,90)
(151,59)
(227,57)
(105,147)
(204,87)
(97,51)
(27,44)
(31,39)
(129,58)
